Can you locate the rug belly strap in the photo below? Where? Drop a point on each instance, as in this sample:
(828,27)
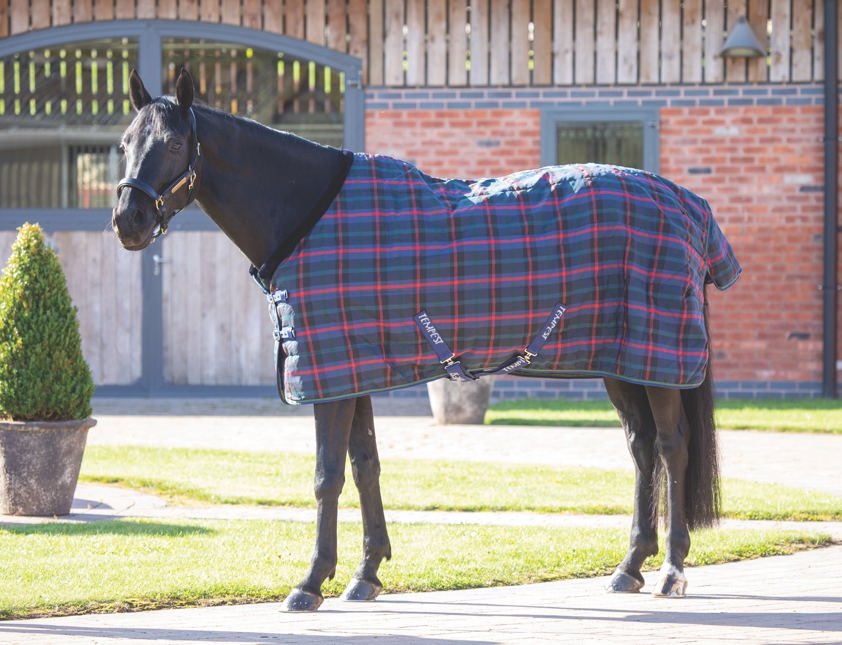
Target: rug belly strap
(518,361)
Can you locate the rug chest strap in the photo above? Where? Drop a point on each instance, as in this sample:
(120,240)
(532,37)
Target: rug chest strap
(283,328)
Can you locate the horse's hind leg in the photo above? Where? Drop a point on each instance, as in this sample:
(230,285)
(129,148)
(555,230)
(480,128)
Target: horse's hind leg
(635,414)
(365,465)
(333,428)
(672,445)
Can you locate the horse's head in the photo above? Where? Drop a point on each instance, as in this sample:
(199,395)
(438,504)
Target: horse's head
(161,152)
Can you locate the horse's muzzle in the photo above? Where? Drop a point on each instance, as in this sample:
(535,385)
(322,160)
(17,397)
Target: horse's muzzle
(133,227)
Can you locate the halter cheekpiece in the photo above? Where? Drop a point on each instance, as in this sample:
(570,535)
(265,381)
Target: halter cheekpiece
(169,202)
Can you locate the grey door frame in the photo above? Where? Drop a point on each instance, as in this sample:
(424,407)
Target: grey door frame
(649,116)
(149,34)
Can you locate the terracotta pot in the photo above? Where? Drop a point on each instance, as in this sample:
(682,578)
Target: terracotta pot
(39,465)
(459,402)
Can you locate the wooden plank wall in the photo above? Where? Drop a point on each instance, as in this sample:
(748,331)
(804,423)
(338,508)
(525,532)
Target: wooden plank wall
(501,42)
(109,313)
(220,333)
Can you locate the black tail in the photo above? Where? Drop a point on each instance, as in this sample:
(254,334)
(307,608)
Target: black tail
(702,482)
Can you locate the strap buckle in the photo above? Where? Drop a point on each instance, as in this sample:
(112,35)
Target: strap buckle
(450,361)
(285,333)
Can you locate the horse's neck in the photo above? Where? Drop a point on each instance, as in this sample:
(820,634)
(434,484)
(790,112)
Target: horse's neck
(261,186)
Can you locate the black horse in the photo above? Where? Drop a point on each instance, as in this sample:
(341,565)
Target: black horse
(262,186)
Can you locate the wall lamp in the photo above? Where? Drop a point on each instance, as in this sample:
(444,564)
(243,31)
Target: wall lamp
(741,42)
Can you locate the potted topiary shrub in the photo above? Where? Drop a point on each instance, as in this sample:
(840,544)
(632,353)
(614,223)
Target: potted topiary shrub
(45,383)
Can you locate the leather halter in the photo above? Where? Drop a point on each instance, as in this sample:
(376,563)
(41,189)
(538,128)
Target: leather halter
(169,202)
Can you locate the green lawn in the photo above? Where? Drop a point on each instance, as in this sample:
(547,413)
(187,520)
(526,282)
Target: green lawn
(229,477)
(785,415)
(56,569)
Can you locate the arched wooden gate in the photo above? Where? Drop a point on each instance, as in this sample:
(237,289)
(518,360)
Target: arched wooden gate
(182,316)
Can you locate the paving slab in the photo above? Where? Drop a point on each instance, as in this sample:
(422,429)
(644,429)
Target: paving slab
(791,599)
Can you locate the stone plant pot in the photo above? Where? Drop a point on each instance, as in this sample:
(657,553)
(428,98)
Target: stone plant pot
(459,402)
(39,465)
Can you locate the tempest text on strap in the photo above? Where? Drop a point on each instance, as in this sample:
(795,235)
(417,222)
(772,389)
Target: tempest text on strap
(453,366)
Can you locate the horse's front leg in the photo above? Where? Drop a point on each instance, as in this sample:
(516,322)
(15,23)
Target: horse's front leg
(333,428)
(672,445)
(632,407)
(365,465)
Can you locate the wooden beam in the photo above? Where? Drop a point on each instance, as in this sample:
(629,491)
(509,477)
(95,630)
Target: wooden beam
(802,45)
(713,70)
(457,52)
(818,40)
(294,19)
(125,10)
(19,18)
(758,17)
(273,15)
(670,42)
(146,9)
(415,60)
(436,42)
(252,14)
(189,9)
(563,42)
(479,42)
(520,42)
(735,68)
(584,39)
(500,42)
(337,25)
(650,39)
(61,12)
(358,30)
(376,40)
(627,41)
(315,27)
(691,42)
(393,43)
(780,43)
(542,18)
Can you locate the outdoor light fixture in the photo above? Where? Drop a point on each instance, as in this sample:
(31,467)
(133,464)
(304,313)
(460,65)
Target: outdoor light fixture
(741,42)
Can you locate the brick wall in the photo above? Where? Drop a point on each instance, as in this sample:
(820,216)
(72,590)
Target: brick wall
(761,170)
(754,152)
(458,143)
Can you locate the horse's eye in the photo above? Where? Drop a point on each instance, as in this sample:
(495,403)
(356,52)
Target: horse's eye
(175,145)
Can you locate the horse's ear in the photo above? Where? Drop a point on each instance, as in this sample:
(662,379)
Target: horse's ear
(184,90)
(137,92)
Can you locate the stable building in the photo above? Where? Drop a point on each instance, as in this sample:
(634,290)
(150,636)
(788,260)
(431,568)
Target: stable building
(461,88)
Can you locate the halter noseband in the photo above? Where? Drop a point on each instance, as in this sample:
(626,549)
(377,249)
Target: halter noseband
(167,203)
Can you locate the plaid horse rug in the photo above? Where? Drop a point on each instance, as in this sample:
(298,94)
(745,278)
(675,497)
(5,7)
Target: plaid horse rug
(567,271)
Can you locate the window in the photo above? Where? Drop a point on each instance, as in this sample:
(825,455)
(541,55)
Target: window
(621,136)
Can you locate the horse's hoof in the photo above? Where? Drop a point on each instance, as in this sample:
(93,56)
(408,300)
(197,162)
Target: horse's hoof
(673,584)
(359,590)
(300,600)
(622,582)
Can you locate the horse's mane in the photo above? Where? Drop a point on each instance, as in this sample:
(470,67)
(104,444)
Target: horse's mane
(252,127)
